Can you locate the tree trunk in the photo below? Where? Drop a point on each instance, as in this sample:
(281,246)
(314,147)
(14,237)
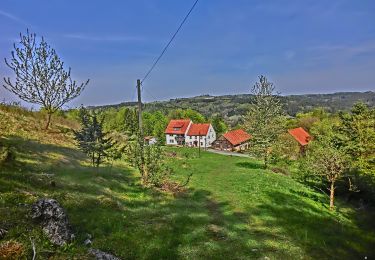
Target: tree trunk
(266,159)
(332,196)
(98,161)
(49,115)
(93,159)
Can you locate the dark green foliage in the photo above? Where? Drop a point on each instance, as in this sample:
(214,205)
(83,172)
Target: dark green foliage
(40,75)
(91,138)
(356,135)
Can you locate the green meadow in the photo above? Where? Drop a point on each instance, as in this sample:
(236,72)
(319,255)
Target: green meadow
(231,209)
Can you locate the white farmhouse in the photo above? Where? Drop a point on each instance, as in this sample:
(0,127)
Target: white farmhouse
(176,131)
(202,135)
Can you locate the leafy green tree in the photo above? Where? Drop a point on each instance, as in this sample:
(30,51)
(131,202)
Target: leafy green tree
(40,76)
(308,119)
(160,122)
(264,119)
(219,125)
(356,136)
(91,138)
(194,115)
(327,162)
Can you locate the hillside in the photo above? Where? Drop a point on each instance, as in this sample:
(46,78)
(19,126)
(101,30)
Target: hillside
(232,208)
(232,107)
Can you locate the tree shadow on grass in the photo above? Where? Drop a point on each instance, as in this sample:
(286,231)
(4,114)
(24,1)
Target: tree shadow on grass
(33,155)
(250,165)
(312,227)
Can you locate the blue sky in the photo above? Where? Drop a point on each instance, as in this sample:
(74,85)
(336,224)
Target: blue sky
(301,46)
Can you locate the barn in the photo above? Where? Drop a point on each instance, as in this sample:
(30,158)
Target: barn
(301,136)
(235,140)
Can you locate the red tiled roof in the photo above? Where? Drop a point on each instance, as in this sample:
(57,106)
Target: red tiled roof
(302,137)
(177,126)
(236,137)
(198,129)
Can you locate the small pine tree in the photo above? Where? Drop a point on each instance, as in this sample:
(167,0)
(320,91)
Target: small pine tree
(264,119)
(91,138)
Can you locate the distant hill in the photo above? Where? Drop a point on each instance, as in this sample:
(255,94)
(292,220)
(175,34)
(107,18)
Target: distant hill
(232,107)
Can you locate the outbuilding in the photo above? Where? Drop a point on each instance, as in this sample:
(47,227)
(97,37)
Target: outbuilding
(235,140)
(301,136)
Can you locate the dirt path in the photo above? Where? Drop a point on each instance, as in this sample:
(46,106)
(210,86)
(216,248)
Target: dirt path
(228,153)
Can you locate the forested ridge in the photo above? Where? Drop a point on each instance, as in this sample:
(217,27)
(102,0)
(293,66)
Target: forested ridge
(233,107)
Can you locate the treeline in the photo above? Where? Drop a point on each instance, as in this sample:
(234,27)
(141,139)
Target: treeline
(232,108)
(125,120)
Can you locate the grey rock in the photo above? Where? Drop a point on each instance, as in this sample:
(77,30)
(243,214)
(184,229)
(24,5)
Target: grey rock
(53,219)
(3,232)
(100,255)
(87,242)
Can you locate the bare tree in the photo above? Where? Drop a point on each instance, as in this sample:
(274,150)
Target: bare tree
(40,75)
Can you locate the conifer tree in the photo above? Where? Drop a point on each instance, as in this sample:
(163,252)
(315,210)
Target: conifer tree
(264,119)
(356,136)
(91,138)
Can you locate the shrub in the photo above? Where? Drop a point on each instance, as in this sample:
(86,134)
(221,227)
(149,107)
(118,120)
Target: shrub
(11,250)
(7,154)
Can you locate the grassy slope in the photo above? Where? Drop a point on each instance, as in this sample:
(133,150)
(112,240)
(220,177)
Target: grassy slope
(233,208)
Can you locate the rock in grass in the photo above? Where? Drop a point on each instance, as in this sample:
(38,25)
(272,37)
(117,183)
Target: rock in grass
(100,255)
(53,219)
(87,242)
(3,232)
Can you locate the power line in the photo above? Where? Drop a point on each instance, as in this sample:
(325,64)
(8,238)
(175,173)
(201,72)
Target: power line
(169,43)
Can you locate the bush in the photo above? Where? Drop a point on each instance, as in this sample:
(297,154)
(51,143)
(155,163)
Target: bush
(7,154)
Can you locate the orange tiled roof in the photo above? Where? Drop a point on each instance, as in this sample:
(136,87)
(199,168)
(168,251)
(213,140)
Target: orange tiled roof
(177,126)
(236,137)
(198,129)
(302,137)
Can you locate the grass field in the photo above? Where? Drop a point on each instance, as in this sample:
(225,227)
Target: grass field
(232,208)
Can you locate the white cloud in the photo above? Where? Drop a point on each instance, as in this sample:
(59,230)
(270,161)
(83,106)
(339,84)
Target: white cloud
(343,51)
(12,17)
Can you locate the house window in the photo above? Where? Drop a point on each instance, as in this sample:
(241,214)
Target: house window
(176,128)
(201,143)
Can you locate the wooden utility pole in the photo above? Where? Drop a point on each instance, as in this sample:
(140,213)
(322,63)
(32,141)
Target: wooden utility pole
(140,134)
(199,144)
(139,107)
